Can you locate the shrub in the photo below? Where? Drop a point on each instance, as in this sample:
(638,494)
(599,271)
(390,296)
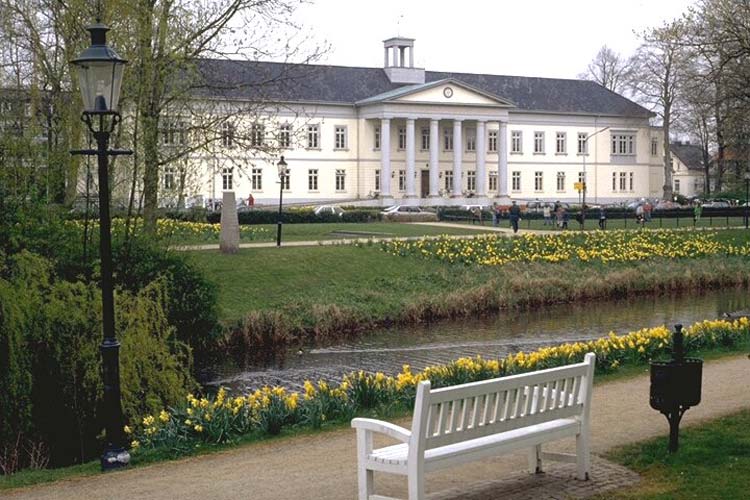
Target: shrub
(191,300)
(51,362)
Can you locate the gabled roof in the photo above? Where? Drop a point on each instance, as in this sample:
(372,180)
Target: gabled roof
(253,80)
(691,155)
(394,94)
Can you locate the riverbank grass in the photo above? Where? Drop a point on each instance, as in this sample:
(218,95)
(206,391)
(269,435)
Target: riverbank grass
(713,462)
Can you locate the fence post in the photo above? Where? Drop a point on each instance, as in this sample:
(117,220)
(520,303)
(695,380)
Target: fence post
(625,218)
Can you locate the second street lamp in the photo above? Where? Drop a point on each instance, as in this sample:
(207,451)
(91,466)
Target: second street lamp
(282,166)
(100,71)
(747,199)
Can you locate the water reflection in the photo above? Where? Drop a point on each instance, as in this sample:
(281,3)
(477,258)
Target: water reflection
(496,336)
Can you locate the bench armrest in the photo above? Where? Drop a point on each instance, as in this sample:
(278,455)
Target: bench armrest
(392,430)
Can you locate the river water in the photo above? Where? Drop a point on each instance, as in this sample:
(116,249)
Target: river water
(496,336)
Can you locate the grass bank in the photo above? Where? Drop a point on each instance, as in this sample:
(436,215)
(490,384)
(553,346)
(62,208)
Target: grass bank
(274,298)
(713,462)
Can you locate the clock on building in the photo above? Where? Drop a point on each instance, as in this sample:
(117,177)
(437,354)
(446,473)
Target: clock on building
(448,92)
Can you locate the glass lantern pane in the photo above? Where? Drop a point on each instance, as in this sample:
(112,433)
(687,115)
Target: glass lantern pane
(100,85)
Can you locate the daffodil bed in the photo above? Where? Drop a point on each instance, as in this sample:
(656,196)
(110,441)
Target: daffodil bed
(174,230)
(601,246)
(223,418)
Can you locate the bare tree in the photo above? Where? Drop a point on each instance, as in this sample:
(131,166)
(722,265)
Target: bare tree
(608,69)
(658,71)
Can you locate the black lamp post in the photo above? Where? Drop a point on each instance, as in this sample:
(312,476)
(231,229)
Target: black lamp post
(281,165)
(747,199)
(100,75)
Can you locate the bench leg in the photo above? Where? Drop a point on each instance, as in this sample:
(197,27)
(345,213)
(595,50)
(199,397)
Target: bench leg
(416,487)
(366,484)
(535,459)
(365,479)
(583,456)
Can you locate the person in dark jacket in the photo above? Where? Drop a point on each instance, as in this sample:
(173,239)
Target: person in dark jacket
(515,216)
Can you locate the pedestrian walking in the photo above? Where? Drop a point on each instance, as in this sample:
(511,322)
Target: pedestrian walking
(647,208)
(547,212)
(602,218)
(565,217)
(697,212)
(515,216)
(495,214)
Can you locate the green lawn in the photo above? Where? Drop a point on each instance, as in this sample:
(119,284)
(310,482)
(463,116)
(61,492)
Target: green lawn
(713,462)
(292,278)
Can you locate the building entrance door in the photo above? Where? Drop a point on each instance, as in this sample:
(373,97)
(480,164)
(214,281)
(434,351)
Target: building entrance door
(424,186)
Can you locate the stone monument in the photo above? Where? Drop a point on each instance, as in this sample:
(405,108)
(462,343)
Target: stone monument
(229,239)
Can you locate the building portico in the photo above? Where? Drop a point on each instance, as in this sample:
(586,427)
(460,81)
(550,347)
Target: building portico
(457,119)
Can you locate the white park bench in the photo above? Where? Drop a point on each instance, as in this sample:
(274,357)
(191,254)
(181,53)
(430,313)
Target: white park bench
(462,423)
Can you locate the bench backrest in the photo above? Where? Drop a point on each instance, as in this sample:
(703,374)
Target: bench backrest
(468,411)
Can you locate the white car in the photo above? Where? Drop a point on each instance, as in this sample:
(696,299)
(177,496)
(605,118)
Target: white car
(329,210)
(408,214)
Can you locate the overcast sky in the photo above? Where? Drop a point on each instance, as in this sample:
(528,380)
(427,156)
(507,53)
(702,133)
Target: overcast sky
(546,38)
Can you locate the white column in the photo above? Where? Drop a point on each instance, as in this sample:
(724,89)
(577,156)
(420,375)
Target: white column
(402,56)
(411,191)
(385,62)
(434,158)
(385,158)
(481,154)
(502,160)
(457,158)
(411,57)
(395,57)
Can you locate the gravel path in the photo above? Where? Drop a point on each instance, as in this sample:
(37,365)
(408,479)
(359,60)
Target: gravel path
(323,465)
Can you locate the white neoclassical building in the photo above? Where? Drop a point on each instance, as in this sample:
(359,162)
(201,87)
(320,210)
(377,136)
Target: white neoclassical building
(406,135)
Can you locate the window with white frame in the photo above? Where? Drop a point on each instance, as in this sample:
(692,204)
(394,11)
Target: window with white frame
(340,141)
(654,146)
(631,180)
(256,179)
(677,186)
(516,141)
(285,180)
(471,139)
(515,181)
(257,133)
(226,178)
(561,181)
(560,143)
(402,180)
(471,180)
(583,143)
(581,176)
(538,181)
(401,138)
(285,135)
(340,179)
(623,181)
(538,142)
(492,141)
(623,143)
(448,180)
(425,139)
(493,182)
(174,132)
(614,181)
(377,180)
(313,136)
(697,185)
(169,176)
(227,134)
(447,139)
(312,179)
(376,141)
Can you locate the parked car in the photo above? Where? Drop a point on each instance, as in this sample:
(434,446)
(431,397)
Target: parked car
(404,213)
(472,208)
(716,204)
(329,210)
